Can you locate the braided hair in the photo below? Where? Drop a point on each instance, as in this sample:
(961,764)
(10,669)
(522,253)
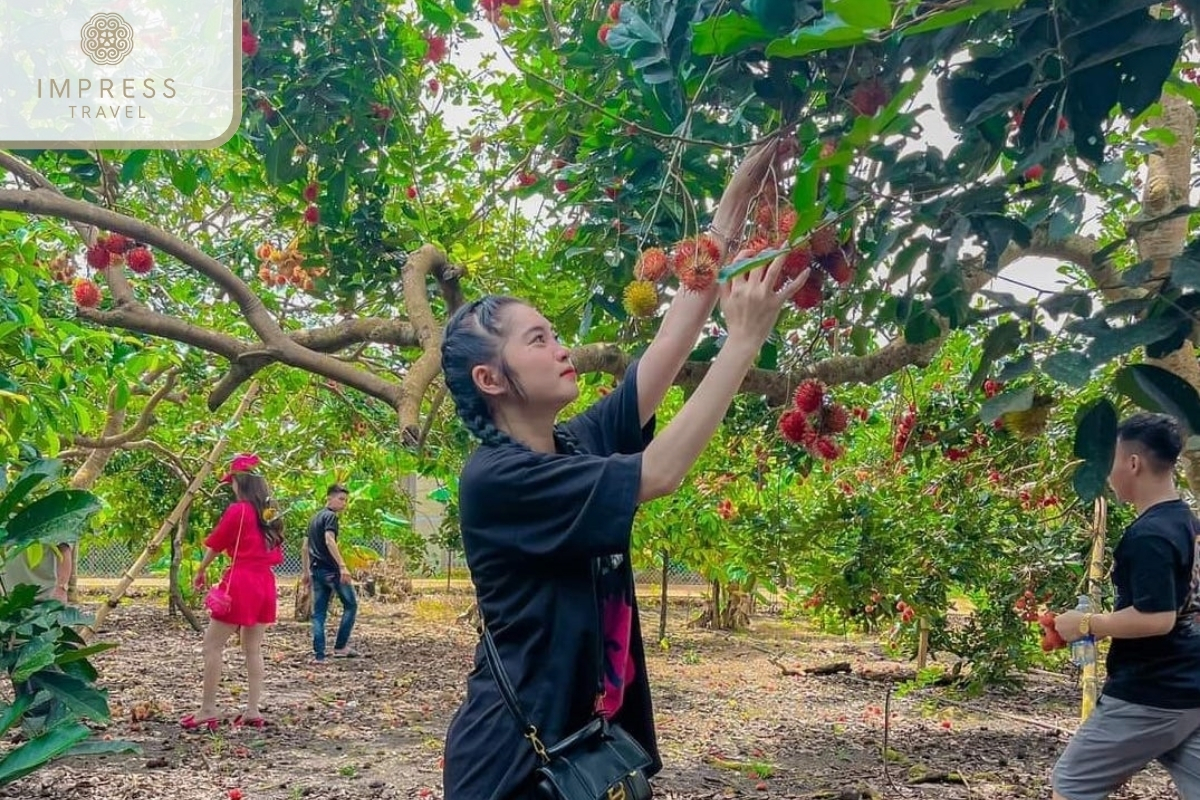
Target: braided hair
(475,335)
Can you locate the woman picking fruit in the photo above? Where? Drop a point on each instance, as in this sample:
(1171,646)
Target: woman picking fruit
(547,508)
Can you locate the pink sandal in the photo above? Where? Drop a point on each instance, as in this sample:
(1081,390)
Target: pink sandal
(190,723)
(253,722)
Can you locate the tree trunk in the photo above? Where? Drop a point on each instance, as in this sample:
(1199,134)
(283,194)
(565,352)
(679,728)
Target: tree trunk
(1168,183)
(173,518)
(662,608)
(1097,575)
(85,478)
(173,574)
(922,643)
(739,606)
(733,614)
(176,591)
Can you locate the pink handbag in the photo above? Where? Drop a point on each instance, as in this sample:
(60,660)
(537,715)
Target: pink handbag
(218,601)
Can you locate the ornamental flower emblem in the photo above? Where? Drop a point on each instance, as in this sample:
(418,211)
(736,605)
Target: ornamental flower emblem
(106,39)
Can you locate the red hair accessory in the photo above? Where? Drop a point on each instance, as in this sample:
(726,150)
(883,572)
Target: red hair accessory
(241,463)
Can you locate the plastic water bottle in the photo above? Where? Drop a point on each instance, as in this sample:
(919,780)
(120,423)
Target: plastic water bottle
(1083,651)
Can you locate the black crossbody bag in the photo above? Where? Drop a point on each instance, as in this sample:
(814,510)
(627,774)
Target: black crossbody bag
(600,761)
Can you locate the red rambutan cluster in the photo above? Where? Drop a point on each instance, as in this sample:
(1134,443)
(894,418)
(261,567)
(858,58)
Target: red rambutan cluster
(814,420)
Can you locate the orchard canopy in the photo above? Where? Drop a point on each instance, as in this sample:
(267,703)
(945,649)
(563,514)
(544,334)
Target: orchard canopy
(395,159)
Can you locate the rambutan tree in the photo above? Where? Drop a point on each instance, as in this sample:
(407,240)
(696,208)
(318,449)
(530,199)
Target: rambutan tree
(348,215)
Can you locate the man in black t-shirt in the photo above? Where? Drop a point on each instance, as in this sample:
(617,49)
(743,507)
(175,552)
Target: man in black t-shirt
(1150,707)
(324,566)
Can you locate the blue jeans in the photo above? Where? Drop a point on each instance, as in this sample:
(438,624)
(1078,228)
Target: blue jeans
(324,585)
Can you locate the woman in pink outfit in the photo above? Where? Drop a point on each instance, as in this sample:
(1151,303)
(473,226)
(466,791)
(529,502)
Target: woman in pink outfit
(250,532)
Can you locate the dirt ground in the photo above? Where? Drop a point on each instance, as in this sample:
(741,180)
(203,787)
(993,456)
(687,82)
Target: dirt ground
(731,723)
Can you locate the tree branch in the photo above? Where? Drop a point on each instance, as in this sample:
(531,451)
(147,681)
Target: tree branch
(165,457)
(139,428)
(132,315)
(426,261)
(37,180)
(1081,251)
(50,203)
(356,331)
(777,387)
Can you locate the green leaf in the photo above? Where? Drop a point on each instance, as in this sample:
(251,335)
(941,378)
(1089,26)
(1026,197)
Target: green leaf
(1185,273)
(86,701)
(1118,341)
(906,259)
(184,178)
(99,747)
(921,327)
(1068,367)
(1175,340)
(726,34)
(1005,403)
(1096,432)
(22,596)
(131,170)
(1156,389)
(1016,369)
(1138,274)
(84,652)
(996,104)
(1095,443)
(33,656)
(866,14)
(735,268)
(54,519)
(861,338)
(768,355)
(1000,341)
(40,750)
(12,713)
(1155,33)
(830,32)
(1076,303)
(281,168)
(1089,481)
(435,14)
(944,19)
(41,470)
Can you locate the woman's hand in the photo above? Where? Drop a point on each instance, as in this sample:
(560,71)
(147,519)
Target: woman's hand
(200,582)
(751,305)
(750,302)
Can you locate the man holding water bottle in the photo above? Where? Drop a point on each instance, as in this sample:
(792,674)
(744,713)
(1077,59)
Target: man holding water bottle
(1150,706)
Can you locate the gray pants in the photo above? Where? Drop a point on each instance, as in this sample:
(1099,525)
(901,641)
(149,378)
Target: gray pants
(1119,739)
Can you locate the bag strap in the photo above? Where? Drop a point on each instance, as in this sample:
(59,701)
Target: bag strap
(500,675)
(599,636)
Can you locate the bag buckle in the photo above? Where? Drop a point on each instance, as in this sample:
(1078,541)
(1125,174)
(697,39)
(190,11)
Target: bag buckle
(538,747)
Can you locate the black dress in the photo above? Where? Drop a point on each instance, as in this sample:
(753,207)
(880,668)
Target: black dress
(534,525)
